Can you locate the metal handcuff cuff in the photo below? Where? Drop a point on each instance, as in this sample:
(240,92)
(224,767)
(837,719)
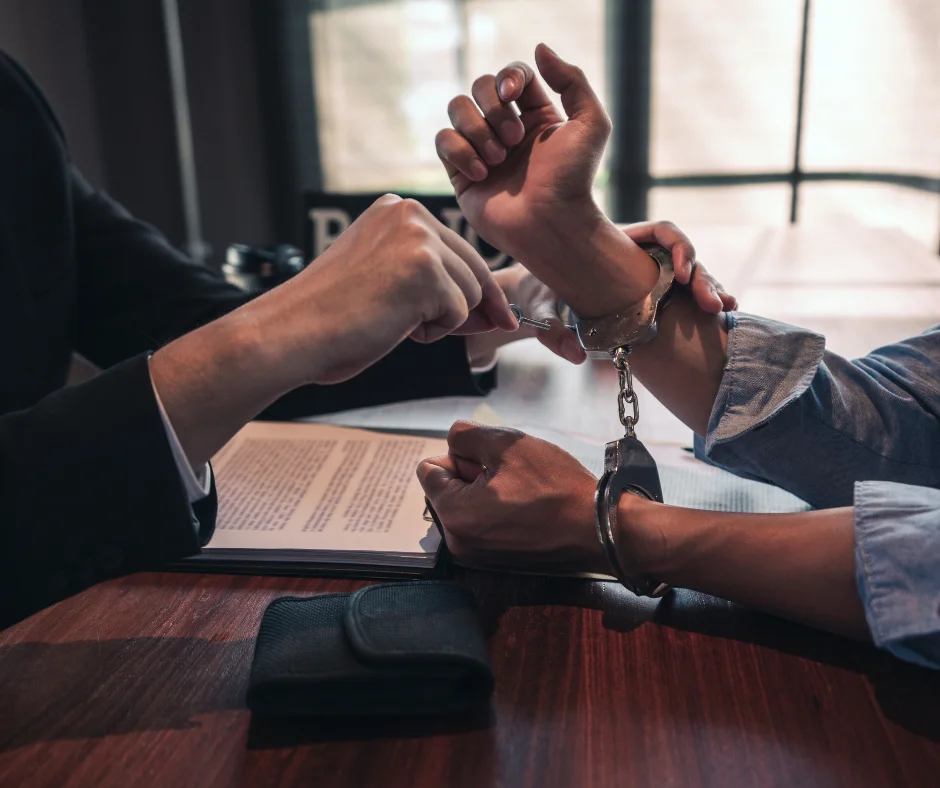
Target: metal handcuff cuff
(628,465)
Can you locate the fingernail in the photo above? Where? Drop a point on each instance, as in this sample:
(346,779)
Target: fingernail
(477,170)
(506,88)
(511,131)
(494,152)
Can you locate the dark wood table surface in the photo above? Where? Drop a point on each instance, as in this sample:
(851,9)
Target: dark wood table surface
(141,682)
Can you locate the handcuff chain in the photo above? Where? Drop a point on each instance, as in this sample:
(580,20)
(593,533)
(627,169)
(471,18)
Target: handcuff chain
(626,395)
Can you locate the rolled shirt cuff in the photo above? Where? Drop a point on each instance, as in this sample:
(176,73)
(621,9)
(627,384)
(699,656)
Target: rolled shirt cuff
(897,564)
(769,365)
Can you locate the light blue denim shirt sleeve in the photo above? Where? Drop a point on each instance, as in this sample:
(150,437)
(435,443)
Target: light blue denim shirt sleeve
(837,432)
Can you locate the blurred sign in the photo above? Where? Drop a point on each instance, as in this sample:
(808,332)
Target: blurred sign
(328,215)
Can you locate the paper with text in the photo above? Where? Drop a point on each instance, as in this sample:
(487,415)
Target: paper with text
(289,486)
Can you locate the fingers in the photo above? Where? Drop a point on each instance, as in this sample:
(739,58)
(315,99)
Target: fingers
(563,342)
(466,118)
(460,160)
(708,292)
(729,302)
(560,340)
(517,82)
(577,96)
(492,301)
(463,276)
(500,116)
(451,310)
(437,474)
(668,235)
(482,445)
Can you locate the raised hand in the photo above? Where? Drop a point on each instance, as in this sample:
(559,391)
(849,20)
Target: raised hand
(523,179)
(510,171)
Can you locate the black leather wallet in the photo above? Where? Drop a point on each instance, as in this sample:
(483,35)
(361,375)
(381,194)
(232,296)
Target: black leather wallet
(395,648)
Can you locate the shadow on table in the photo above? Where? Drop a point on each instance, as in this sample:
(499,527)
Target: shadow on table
(91,688)
(268,733)
(907,694)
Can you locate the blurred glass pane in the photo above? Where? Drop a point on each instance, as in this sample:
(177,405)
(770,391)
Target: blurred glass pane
(724,85)
(385,71)
(872,204)
(873,86)
(500,31)
(764,204)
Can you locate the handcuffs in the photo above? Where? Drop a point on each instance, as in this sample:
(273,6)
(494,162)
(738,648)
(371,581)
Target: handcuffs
(628,465)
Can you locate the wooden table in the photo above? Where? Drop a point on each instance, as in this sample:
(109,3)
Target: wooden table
(141,681)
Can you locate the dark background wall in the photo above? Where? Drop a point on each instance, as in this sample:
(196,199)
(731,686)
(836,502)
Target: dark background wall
(47,37)
(104,67)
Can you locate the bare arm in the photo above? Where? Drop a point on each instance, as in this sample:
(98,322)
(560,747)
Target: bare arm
(396,273)
(683,366)
(799,566)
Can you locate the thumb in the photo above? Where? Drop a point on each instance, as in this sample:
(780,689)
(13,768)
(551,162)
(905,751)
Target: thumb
(577,96)
(562,342)
(440,478)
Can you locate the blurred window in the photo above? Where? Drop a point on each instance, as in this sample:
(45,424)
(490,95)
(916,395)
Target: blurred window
(724,99)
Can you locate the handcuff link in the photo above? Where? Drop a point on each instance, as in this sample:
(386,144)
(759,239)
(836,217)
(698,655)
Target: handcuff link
(628,465)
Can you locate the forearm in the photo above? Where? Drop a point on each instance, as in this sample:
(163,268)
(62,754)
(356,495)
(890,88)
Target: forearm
(588,261)
(214,380)
(798,566)
(683,366)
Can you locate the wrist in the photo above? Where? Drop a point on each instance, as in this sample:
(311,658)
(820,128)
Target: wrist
(263,352)
(591,263)
(590,557)
(210,383)
(270,343)
(642,539)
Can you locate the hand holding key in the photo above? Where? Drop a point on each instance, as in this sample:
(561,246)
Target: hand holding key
(543,325)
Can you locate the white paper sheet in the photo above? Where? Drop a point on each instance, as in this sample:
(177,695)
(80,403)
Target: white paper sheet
(686,481)
(315,487)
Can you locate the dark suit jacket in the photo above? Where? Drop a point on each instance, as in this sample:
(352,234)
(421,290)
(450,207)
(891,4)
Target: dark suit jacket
(88,485)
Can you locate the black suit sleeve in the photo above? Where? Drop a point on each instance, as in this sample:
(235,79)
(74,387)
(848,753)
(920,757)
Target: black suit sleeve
(137,293)
(89,490)
(88,485)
